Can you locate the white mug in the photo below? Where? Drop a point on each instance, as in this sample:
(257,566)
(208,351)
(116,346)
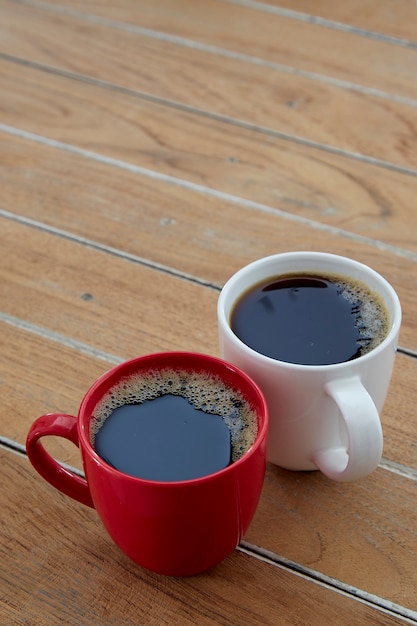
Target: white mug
(322,417)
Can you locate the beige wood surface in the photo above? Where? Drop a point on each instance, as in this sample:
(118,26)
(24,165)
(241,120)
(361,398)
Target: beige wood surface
(260,94)
(242,589)
(57,381)
(267,36)
(293,178)
(323,519)
(230,236)
(393,18)
(147,151)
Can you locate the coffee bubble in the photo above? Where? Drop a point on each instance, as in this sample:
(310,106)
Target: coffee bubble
(371,316)
(203,390)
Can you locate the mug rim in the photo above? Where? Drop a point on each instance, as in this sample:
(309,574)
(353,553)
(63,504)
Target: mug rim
(128,367)
(395,305)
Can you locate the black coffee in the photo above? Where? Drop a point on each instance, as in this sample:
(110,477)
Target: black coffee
(310,319)
(172,425)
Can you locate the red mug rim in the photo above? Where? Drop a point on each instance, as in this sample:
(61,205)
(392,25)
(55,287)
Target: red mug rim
(171,359)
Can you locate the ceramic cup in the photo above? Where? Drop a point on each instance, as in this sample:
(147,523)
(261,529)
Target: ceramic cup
(323,417)
(176,528)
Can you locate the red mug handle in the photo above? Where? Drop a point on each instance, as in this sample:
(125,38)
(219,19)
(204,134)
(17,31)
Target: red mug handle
(59,425)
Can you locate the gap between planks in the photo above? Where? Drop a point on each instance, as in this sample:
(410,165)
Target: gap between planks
(217,117)
(189,186)
(245,547)
(112,359)
(360,595)
(322,21)
(95,245)
(300,16)
(275,560)
(222,52)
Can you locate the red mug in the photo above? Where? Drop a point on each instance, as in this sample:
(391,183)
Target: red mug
(177,528)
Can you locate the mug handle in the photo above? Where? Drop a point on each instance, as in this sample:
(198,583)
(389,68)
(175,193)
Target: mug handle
(59,425)
(364,433)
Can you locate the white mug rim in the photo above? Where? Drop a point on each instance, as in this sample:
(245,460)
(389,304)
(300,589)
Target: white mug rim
(395,307)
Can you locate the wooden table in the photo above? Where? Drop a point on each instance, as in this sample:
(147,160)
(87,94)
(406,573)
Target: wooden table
(149,149)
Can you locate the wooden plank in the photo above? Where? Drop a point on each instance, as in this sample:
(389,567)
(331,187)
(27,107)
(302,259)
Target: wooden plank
(38,376)
(355,532)
(328,520)
(41,375)
(393,18)
(61,375)
(140,270)
(398,415)
(99,299)
(55,550)
(194,234)
(256,94)
(345,193)
(237,27)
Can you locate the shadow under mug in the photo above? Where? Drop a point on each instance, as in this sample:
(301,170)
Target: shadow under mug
(175,528)
(320,416)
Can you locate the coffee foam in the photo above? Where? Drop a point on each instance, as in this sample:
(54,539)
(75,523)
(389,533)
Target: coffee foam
(371,315)
(205,391)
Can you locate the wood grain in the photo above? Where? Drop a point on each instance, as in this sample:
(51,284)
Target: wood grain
(57,564)
(394,18)
(41,375)
(257,94)
(333,528)
(398,415)
(234,26)
(148,151)
(322,519)
(129,307)
(205,223)
(344,193)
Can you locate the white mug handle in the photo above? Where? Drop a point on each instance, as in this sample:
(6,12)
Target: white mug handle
(364,433)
